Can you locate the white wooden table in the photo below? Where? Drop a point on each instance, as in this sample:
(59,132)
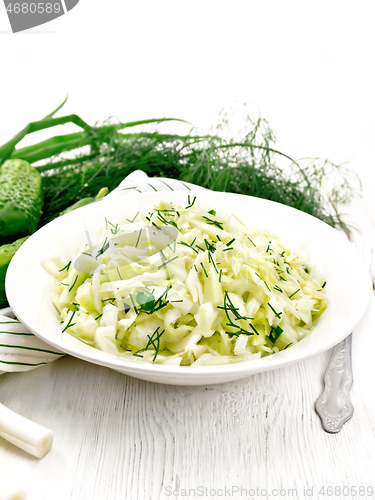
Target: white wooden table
(310,69)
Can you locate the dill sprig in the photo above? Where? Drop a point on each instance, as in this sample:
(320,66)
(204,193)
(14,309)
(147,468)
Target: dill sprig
(229,307)
(113,228)
(74,282)
(133,219)
(277,314)
(190,204)
(275,333)
(104,248)
(251,241)
(292,295)
(204,269)
(147,303)
(110,299)
(165,221)
(167,262)
(66,268)
(213,222)
(187,245)
(153,341)
(69,324)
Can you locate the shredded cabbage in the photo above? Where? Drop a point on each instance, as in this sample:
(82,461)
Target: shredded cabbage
(187,286)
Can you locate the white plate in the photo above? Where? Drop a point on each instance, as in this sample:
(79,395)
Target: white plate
(348,288)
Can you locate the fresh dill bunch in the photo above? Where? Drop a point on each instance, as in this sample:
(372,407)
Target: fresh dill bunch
(249,164)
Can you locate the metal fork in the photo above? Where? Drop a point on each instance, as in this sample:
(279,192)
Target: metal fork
(334,406)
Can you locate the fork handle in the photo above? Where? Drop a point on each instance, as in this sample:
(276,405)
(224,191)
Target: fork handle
(334,405)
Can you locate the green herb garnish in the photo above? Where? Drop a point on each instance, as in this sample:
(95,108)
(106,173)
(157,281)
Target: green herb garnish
(278,315)
(69,324)
(66,268)
(275,333)
(290,296)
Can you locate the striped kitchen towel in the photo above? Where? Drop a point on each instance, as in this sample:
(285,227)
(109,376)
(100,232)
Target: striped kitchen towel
(20,350)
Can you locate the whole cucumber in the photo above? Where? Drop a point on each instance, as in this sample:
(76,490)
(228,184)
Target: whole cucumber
(21,200)
(6,255)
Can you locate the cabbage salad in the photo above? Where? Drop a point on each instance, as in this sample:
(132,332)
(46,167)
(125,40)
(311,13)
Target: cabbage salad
(186,285)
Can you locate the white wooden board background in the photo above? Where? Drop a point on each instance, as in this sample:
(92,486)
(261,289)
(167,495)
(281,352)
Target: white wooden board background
(310,69)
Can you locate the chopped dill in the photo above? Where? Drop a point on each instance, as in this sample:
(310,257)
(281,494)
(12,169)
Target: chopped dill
(275,333)
(192,203)
(163,220)
(204,269)
(111,300)
(114,228)
(278,315)
(136,215)
(155,225)
(74,282)
(139,235)
(66,268)
(162,255)
(213,222)
(290,296)
(187,245)
(263,281)
(210,246)
(212,261)
(251,241)
(154,341)
(69,324)
(229,307)
(253,328)
(104,247)
(167,262)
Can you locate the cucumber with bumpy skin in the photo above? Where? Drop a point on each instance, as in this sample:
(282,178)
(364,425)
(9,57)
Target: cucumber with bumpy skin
(21,200)
(6,254)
